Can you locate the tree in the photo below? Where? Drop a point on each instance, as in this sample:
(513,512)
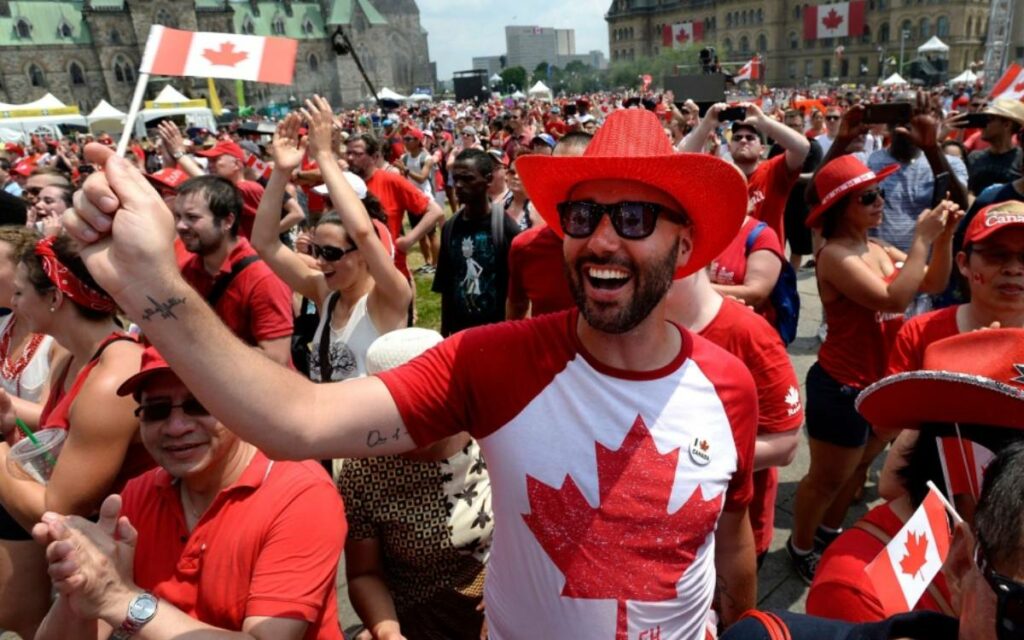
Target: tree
(541,70)
(513,79)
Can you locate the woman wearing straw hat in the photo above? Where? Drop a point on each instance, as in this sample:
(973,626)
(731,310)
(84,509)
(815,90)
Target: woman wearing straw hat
(864,288)
(362,295)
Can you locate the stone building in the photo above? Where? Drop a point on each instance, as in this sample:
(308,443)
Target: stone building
(774,29)
(83,51)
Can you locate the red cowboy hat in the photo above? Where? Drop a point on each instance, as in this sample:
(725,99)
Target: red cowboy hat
(838,178)
(632,145)
(993,219)
(974,378)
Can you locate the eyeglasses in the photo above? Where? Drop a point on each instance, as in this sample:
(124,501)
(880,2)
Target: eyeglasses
(747,137)
(631,220)
(329,253)
(998,256)
(869,198)
(157,411)
(408,138)
(833,118)
(1009,597)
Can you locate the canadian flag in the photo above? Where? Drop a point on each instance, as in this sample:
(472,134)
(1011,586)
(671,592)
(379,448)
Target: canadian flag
(749,71)
(681,34)
(1011,85)
(912,559)
(963,465)
(837,20)
(262,169)
(171,52)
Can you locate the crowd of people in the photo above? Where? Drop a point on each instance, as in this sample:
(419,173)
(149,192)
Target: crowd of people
(224,325)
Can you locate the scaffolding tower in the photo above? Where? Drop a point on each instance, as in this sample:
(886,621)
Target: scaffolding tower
(998,41)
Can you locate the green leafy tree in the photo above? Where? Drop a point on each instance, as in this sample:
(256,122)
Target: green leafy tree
(513,78)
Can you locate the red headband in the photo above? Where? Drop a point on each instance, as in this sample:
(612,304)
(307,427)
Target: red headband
(70,284)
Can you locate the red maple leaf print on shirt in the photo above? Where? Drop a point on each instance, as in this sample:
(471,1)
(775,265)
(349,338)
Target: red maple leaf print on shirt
(917,545)
(832,20)
(629,547)
(225,56)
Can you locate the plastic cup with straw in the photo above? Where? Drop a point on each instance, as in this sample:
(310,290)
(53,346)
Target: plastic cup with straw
(37,454)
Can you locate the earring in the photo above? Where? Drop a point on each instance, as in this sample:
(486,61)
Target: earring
(52,309)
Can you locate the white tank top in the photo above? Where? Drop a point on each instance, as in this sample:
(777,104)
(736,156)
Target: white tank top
(416,164)
(348,345)
(29,384)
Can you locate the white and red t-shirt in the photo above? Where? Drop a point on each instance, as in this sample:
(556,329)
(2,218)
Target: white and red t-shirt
(607,484)
(750,338)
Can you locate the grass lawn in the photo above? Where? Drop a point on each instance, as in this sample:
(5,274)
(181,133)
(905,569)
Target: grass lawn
(428,303)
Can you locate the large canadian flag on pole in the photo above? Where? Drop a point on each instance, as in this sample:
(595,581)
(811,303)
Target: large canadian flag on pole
(838,20)
(681,34)
(749,71)
(907,565)
(1011,85)
(172,52)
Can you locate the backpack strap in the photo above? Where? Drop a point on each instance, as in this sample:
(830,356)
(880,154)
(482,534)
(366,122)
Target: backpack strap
(773,624)
(752,236)
(324,348)
(498,225)
(221,285)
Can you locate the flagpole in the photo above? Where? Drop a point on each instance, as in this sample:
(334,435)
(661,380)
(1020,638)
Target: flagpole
(133,113)
(945,503)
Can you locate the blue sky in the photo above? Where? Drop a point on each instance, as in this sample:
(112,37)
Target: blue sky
(461,29)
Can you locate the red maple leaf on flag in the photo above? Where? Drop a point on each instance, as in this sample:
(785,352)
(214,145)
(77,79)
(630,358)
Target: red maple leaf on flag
(629,547)
(916,546)
(832,20)
(682,37)
(225,56)
(1019,88)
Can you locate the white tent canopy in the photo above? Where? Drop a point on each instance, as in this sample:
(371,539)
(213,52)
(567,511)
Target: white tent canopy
(29,123)
(170,102)
(49,101)
(540,90)
(495,79)
(388,94)
(933,45)
(967,77)
(894,79)
(105,118)
(420,97)
(518,95)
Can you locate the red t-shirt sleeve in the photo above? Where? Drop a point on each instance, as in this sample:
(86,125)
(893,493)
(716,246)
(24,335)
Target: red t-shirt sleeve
(271,309)
(767,240)
(778,390)
(842,600)
(906,349)
(412,199)
(298,563)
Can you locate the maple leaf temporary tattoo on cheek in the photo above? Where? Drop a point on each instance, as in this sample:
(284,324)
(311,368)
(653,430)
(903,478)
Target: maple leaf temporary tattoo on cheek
(629,547)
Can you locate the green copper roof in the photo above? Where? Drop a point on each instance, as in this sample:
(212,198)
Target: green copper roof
(106,4)
(341,12)
(303,13)
(45,19)
(210,4)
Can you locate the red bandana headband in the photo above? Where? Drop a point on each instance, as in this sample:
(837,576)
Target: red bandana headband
(70,284)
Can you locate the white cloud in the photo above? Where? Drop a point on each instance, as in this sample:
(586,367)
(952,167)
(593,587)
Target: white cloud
(461,29)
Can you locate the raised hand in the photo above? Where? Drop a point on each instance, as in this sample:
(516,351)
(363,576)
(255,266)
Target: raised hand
(287,149)
(126,227)
(320,121)
(171,136)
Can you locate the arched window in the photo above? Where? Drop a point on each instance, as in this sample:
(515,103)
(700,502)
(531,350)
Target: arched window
(942,27)
(248,27)
(76,73)
(762,43)
(744,44)
(908,27)
(728,20)
(307,26)
(925,28)
(796,12)
(794,40)
(124,70)
(118,73)
(883,32)
(743,18)
(64,30)
(760,16)
(314,63)
(865,37)
(277,27)
(36,77)
(727,45)
(24,28)
(970,23)
(163,17)
(115,36)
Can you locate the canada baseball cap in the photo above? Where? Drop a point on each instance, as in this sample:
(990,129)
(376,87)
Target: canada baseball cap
(993,219)
(152,363)
(223,148)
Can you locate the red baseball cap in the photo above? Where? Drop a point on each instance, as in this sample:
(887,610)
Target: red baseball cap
(993,219)
(152,364)
(168,179)
(223,148)
(414,132)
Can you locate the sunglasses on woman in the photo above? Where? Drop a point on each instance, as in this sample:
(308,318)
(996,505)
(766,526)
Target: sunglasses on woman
(157,411)
(869,198)
(1009,597)
(631,220)
(329,253)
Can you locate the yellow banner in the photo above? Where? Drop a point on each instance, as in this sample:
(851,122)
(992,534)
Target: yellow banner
(35,113)
(190,104)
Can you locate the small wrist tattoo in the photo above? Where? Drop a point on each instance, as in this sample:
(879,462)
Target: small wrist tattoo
(165,310)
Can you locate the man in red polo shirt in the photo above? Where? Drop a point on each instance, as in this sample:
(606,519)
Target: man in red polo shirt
(396,194)
(216,538)
(224,268)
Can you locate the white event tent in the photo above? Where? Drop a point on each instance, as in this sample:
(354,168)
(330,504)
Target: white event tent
(540,91)
(106,118)
(45,113)
(170,102)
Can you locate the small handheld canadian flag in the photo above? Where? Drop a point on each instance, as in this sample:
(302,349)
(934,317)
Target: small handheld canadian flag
(172,52)
(749,71)
(907,565)
(1011,85)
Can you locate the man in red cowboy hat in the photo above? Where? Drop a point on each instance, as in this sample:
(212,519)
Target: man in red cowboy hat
(620,445)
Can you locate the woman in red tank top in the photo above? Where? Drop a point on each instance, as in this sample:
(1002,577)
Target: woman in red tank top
(54,294)
(864,288)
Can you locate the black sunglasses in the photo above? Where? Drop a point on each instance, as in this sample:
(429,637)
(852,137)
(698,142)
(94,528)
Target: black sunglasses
(833,118)
(1009,597)
(869,198)
(631,220)
(329,253)
(157,411)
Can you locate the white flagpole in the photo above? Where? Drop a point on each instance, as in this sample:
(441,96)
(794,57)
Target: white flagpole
(945,503)
(133,113)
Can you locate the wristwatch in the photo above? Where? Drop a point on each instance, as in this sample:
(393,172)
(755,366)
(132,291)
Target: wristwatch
(141,610)
(177,155)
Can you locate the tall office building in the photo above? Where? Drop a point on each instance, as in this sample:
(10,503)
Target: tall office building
(529,46)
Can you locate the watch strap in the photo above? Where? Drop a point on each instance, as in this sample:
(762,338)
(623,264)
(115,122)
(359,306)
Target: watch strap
(132,625)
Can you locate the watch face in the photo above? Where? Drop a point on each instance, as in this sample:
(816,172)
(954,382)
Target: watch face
(143,607)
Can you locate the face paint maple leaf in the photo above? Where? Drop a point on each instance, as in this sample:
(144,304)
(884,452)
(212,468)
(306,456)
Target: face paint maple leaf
(629,547)
(917,545)
(225,56)
(832,20)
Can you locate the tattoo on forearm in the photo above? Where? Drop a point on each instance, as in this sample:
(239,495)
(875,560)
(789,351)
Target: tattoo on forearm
(375,437)
(163,309)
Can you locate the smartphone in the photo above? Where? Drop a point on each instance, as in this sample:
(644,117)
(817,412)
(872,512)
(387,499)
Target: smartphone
(973,121)
(732,114)
(940,189)
(888,113)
